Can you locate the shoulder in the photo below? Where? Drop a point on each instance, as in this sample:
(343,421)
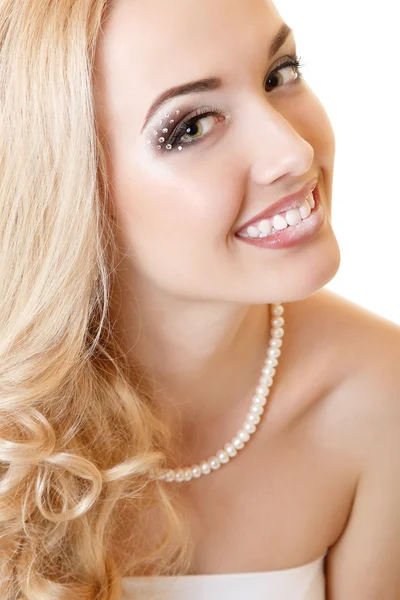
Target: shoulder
(352,357)
(364,352)
(358,354)
(363,348)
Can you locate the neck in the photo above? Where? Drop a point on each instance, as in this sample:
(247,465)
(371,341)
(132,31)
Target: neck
(204,358)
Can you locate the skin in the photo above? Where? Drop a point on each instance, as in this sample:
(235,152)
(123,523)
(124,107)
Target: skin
(192,304)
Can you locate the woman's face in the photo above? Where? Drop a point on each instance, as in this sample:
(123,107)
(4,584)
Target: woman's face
(182,190)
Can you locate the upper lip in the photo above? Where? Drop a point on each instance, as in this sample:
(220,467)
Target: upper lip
(286,203)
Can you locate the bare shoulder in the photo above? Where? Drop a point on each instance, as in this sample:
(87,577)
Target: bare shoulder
(343,319)
(367,345)
(355,355)
(363,350)
(360,352)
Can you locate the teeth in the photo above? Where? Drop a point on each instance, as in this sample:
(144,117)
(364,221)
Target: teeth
(265,226)
(253,232)
(291,218)
(279,222)
(305,210)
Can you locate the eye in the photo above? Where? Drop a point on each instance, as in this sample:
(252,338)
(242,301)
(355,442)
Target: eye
(289,71)
(196,128)
(199,128)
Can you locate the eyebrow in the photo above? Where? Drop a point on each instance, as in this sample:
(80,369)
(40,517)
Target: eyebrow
(210,83)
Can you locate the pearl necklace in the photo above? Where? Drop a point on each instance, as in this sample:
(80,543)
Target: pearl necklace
(253,417)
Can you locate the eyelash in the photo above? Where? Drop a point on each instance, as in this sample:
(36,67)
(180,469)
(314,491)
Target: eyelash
(176,136)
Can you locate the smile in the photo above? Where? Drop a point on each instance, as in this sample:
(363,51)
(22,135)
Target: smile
(288,219)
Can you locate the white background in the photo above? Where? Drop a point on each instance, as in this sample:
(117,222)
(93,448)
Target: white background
(351,54)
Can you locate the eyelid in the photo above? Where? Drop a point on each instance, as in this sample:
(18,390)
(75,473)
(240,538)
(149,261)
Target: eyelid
(278,64)
(196,115)
(285,61)
(161,122)
(289,60)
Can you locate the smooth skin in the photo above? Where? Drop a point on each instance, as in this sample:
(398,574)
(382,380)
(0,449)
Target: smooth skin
(322,471)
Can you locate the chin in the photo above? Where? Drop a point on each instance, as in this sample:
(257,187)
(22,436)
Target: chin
(300,277)
(311,274)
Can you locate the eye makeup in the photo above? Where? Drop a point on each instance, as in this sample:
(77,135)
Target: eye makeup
(168,133)
(160,134)
(173,134)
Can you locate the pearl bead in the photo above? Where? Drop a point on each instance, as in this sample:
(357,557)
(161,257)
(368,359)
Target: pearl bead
(170,476)
(187,474)
(275,343)
(269,371)
(266,393)
(256,409)
(274,352)
(249,427)
(179,475)
(265,382)
(277,332)
(222,456)
(243,435)
(230,450)
(237,442)
(278,322)
(196,471)
(253,418)
(271,362)
(205,467)
(260,390)
(214,463)
(259,400)
(277,311)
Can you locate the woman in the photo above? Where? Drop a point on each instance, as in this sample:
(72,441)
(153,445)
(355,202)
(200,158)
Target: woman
(179,394)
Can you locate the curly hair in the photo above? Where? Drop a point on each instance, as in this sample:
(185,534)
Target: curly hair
(80,434)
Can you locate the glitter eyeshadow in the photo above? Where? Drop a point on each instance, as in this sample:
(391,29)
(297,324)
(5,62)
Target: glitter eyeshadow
(161,139)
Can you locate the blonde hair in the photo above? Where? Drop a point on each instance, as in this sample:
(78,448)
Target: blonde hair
(79,433)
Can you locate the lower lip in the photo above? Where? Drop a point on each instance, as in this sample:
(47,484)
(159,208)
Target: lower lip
(293,236)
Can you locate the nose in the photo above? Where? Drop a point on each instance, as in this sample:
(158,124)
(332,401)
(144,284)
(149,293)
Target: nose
(276,149)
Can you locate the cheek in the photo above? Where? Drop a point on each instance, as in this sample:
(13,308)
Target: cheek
(181,211)
(176,230)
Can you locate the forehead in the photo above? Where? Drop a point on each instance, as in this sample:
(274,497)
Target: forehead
(150,45)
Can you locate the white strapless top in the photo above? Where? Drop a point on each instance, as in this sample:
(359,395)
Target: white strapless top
(306,582)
